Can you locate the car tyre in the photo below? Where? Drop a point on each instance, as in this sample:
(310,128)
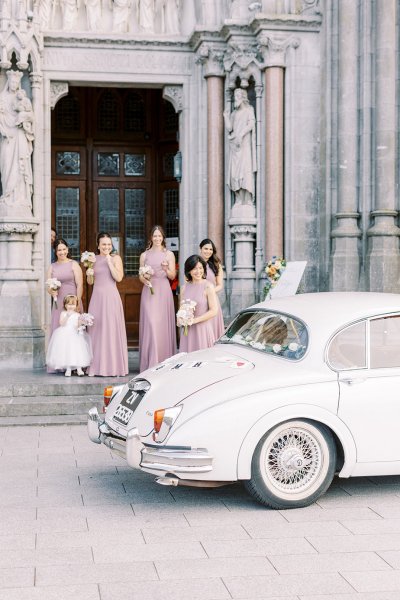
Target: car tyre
(292,465)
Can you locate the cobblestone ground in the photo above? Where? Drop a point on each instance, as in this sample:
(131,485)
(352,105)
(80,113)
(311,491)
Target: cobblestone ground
(75,522)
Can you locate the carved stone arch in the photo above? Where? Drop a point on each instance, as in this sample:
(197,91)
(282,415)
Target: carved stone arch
(58,89)
(174,94)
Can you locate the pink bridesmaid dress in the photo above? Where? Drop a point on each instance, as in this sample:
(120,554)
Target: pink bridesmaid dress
(201,335)
(108,333)
(157,329)
(64,273)
(217,322)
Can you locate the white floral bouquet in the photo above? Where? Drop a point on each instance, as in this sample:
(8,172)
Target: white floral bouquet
(185,314)
(85,320)
(88,259)
(53,284)
(147,270)
(274,270)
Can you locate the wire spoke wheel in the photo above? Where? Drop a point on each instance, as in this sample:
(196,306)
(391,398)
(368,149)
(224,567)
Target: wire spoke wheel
(293,464)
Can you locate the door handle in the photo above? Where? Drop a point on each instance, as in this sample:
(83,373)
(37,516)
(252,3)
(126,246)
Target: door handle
(354,381)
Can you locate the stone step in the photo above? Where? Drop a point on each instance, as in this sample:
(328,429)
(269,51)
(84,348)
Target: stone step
(43,420)
(66,387)
(46,406)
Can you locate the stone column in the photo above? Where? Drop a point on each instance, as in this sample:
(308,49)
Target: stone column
(345,259)
(383,259)
(275,47)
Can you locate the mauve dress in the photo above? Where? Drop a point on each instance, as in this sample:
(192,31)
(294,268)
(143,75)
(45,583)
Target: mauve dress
(157,328)
(64,273)
(217,322)
(201,335)
(108,333)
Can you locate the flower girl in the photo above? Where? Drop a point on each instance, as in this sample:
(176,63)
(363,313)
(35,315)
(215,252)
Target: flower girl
(69,346)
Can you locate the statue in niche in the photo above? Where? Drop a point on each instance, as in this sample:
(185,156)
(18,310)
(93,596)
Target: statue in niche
(146,15)
(93,14)
(69,11)
(170,16)
(241,126)
(239,9)
(5,9)
(16,145)
(121,10)
(208,10)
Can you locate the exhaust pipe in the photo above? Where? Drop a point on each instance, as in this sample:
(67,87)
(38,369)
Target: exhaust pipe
(175,481)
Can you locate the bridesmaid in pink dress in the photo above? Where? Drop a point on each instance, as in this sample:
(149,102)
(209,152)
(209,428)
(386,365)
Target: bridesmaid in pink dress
(200,334)
(157,332)
(69,273)
(214,274)
(108,333)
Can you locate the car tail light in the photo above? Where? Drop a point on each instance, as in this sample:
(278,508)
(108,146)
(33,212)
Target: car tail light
(107,396)
(158,419)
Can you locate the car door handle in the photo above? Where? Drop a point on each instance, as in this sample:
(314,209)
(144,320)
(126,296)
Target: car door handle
(354,381)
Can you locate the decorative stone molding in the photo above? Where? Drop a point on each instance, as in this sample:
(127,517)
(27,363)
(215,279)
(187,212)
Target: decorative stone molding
(19,35)
(18,227)
(274,47)
(174,94)
(242,60)
(58,89)
(212,58)
(346,225)
(310,7)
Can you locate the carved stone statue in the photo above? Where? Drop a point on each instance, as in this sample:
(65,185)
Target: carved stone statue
(170,16)
(146,14)
(208,10)
(16,146)
(240,9)
(69,11)
(241,125)
(93,14)
(45,14)
(121,11)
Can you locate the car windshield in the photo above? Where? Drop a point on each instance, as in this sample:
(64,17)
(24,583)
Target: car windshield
(270,332)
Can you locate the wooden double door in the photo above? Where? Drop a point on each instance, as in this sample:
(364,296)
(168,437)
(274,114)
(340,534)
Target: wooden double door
(112,170)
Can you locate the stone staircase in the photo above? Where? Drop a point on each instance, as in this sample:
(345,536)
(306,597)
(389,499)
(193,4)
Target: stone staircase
(37,398)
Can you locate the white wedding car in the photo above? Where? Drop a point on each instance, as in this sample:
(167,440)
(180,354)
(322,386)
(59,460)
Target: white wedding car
(296,390)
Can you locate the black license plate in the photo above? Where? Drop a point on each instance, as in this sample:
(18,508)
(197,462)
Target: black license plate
(126,407)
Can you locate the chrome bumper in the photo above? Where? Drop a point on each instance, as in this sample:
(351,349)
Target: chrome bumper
(100,433)
(174,461)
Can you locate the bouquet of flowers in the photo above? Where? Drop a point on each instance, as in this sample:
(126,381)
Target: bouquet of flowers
(185,314)
(147,270)
(85,320)
(274,270)
(54,284)
(88,259)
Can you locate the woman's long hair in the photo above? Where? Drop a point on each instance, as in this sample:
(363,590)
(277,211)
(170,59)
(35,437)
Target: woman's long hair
(150,240)
(57,242)
(190,264)
(214,261)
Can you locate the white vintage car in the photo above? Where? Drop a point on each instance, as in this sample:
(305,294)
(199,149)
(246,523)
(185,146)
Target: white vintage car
(296,390)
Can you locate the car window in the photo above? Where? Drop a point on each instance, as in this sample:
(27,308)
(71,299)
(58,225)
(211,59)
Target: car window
(385,342)
(270,332)
(347,350)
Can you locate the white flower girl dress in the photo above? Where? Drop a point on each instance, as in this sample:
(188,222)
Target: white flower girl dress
(69,348)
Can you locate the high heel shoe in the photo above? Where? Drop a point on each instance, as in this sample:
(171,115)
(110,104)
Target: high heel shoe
(80,373)
(67,373)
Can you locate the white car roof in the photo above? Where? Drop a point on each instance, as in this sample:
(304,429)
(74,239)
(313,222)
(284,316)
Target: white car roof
(325,312)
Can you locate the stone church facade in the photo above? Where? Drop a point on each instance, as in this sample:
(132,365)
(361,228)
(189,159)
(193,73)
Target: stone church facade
(120,105)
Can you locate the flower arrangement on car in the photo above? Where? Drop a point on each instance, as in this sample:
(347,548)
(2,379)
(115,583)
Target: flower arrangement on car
(273,270)
(88,259)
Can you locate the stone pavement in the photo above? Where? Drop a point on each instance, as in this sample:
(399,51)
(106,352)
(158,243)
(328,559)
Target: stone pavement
(76,523)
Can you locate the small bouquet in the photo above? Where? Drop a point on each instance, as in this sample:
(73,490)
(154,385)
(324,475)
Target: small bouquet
(88,259)
(147,270)
(54,284)
(185,314)
(274,270)
(85,320)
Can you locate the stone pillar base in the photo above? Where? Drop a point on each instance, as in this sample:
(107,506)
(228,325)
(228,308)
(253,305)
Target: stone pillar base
(21,348)
(383,264)
(242,291)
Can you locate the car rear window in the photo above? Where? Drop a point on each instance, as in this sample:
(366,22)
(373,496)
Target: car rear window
(270,332)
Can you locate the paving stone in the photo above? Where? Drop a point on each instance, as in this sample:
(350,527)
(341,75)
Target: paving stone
(213,567)
(45,556)
(275,585)
(375,526)
(392,558)
(316,513)
(17,542)
(374,581)
(100,573)
(329,563)
(16,577)
(81,592)
(276,530)
(85,539)
(194,589)
(116,553)
(269,547)
(179,534)
(355,543)
(355,596)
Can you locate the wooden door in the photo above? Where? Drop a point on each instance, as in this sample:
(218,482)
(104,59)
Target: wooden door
(119,179)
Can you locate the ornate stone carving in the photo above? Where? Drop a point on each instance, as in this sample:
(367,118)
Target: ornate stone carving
(146,17)
(274,48)
(93,14)
(174,94)
(58,89)
(242,60)
(121,11)
(18,227)
(170,16)
(212,57)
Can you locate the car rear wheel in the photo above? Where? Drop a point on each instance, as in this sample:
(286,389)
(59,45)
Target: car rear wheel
(293,464)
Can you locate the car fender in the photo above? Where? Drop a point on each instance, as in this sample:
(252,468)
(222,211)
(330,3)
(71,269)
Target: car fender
(297,411)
